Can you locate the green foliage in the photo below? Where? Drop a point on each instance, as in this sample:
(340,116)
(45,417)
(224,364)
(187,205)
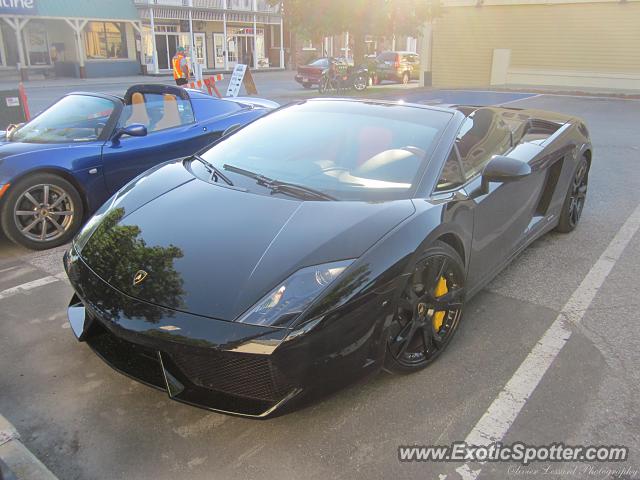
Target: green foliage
(381,17)
(316,18)
(116,252)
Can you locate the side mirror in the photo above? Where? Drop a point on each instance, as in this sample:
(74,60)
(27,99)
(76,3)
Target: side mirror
(231,129)
(133,130)
(503,169)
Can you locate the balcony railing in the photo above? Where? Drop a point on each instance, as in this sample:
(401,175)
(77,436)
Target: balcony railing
(215,4)
(261,6)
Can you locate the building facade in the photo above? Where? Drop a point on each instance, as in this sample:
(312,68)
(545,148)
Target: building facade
(566,43)
(87,38)
(218,33)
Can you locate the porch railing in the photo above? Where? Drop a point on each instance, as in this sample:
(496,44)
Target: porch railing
(261,6)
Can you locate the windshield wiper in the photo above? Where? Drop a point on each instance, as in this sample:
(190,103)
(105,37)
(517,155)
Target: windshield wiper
(213,170)
(278,186)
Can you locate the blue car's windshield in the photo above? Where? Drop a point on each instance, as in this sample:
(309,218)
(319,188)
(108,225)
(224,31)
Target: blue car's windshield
(349,150)
(74,118)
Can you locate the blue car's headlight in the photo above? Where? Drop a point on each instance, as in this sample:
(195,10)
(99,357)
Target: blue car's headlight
(289,299)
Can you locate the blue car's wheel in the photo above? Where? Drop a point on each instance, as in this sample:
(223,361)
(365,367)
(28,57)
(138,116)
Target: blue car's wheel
(41,211)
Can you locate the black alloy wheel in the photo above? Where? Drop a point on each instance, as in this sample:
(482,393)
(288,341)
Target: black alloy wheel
(576,197)
(428,311)
(41,211)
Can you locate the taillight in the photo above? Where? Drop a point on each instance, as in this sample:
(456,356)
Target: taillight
(397,63)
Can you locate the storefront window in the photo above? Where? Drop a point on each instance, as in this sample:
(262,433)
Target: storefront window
(37,44)
(240,4)
(105,40)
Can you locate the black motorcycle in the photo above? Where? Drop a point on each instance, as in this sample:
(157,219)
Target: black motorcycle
(336,80)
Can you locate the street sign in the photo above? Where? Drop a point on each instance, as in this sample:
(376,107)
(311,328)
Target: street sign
(241,76)
(18,7)
(236,80)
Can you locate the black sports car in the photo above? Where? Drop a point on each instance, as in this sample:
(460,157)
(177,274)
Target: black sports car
(323,241)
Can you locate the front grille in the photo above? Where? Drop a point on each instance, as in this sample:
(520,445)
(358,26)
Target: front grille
(244,375)
(139,362)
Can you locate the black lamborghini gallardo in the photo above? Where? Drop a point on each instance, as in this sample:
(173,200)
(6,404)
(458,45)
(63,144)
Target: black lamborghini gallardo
(321,242)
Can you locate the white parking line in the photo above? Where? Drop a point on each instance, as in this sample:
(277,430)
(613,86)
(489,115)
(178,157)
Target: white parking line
(521,99)
(8,269)
(501,414)
(9,292)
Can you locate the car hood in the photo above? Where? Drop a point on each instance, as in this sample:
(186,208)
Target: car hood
(215,251)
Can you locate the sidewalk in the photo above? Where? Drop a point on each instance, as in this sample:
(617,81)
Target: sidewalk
(21,462)
(12,82)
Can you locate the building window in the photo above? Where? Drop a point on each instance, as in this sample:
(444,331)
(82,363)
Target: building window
(308,45)
(105,40)
(274,33)
(240,4)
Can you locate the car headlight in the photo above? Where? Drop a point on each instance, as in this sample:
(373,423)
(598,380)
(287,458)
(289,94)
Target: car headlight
(289,299)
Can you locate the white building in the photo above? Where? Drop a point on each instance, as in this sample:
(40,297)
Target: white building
(217,33)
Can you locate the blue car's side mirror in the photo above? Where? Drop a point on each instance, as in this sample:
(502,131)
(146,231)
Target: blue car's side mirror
(133,130)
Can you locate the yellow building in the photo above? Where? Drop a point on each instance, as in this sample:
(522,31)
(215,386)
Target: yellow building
(566,43)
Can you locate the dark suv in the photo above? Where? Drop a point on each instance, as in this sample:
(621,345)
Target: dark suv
(398,66)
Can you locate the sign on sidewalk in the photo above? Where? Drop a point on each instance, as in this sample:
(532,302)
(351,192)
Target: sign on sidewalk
(241,76)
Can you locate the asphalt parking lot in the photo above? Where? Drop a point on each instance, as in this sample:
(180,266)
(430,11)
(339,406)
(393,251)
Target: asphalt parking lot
(85,421)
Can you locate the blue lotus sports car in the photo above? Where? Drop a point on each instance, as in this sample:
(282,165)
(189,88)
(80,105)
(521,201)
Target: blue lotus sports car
(58,168)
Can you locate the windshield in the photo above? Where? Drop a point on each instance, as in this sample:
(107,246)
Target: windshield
(74,118)
(321,62)
(349,150)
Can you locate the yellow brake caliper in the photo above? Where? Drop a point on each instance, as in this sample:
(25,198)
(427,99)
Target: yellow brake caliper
(438,317)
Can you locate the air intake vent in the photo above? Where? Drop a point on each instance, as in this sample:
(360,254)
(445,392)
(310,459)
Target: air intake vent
(244,375)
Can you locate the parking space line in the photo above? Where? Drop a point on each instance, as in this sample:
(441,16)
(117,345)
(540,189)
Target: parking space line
(9,292)
(521,99)
(8,269)
(502,413)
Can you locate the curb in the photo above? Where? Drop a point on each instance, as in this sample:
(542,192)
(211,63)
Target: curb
(21,462)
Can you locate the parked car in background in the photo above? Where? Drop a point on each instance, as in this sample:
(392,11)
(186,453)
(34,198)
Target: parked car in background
(62,165)
(398,66)
(310,74)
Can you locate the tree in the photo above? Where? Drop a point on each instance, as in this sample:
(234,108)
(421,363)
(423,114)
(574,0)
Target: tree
(313,19)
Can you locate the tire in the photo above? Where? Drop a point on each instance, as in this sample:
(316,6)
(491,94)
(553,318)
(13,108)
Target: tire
(420,332)
(306,85)
(575,198)
(360,83)
(323,85)
(25,206)
(405,78)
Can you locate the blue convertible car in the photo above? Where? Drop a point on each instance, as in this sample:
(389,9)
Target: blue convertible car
(62,165)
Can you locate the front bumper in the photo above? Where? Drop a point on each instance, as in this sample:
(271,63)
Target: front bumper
(224,366)
(213,364)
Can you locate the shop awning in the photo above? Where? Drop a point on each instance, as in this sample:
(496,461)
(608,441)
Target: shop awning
(88,9)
